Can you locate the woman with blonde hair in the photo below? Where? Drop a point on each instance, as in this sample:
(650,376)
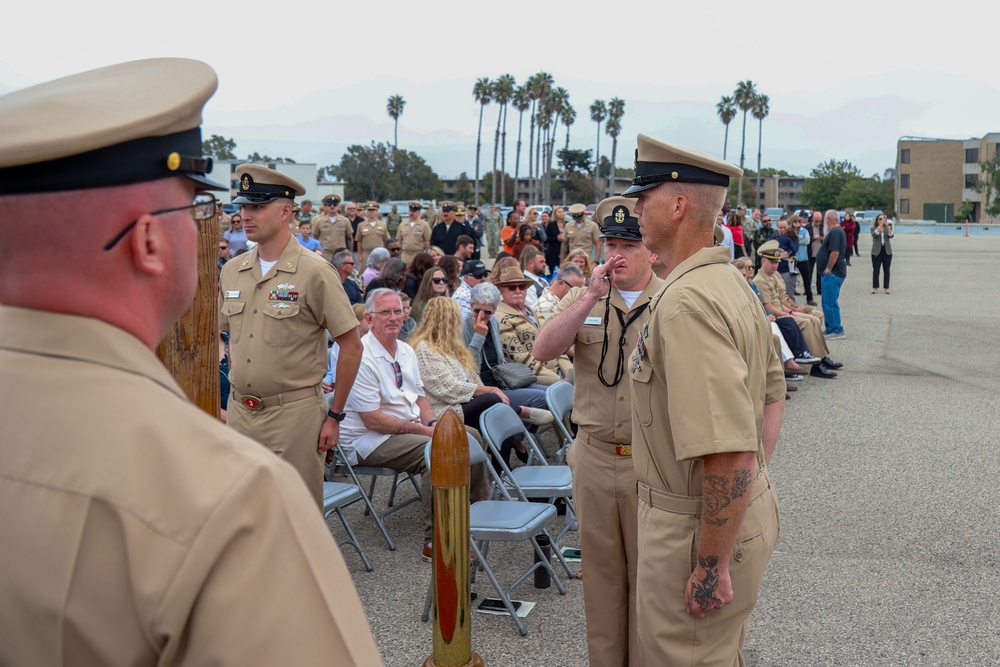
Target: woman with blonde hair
(447,368)
(582,259)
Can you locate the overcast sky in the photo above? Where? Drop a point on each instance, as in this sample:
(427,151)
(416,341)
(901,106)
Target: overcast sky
(304,80)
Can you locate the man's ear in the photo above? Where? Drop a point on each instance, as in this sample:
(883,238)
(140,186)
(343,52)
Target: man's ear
(148,243)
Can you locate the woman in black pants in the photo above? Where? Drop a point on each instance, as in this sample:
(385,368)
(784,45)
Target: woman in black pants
(882,234)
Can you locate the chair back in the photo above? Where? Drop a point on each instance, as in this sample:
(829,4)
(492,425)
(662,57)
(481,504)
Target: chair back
(559,400)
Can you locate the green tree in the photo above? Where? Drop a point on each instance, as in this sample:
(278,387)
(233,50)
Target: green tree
(761,109)
(744,96)
(598,114)
(506,185)
(826,182)
(522,102)
(481,92)
(726,109)
(394,107)
(575,161)
(988,187)
(616,110)
(380,172)
(578,187)
(866,193)
(463,188)
(267,159)
(749,195)
(221,148)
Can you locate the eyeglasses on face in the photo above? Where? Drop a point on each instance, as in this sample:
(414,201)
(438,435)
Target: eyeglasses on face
(489,313)
(516,288)
(398,312)
(203,208)
(439,281)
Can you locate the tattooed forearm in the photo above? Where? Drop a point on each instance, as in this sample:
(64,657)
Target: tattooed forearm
(703,590)
(717,494)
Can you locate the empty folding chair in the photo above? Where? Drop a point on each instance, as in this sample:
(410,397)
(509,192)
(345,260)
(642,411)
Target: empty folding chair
(336,496)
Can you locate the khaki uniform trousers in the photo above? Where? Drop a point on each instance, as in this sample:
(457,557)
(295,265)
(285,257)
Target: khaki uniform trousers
(812,327)
(405,453)
(290,430)
(606,505)
(669,527)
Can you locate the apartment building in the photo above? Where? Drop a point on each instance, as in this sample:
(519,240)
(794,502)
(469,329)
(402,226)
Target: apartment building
(935,177)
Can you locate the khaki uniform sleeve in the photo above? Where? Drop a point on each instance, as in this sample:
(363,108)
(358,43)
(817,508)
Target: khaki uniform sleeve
(568,300)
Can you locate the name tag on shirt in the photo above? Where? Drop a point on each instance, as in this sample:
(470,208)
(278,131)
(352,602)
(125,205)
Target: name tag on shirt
(232,294)
(593,320)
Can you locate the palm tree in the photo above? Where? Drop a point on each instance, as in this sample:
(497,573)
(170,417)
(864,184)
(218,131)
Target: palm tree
(543,99)
(557,110)
(503,90)
(598,114)
(394,106)
(726,108)
(481,93)
(616,110)
(568,118)
(761,108)
(522,101)
(744,96)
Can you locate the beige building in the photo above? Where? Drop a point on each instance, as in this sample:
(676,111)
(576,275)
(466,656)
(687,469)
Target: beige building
(935,177)
(777,191)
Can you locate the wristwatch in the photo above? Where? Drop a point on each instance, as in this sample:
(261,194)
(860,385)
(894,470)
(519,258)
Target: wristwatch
(339,416)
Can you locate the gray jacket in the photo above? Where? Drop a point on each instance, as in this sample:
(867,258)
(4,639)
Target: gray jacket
(877,241)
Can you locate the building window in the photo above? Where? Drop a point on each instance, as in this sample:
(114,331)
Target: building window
(971,155)
(971,181)
(904,181)
(904,156)
(904,206)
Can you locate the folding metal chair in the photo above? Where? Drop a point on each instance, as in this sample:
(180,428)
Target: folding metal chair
(341,465)
(503,521)
(336,496)
(500,422)
(559,400)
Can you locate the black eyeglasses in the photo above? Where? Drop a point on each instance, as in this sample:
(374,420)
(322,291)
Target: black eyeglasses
(439,281)
(203,208)
(399,374)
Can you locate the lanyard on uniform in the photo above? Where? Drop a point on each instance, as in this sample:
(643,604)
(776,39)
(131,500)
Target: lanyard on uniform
(620,366)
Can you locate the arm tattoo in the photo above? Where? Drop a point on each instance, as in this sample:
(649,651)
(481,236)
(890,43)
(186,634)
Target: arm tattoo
(704,589)
(717,494)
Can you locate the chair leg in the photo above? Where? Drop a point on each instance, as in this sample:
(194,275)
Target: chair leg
(353,541)
(558,549)
(428,601)
(370,511)
(504,597)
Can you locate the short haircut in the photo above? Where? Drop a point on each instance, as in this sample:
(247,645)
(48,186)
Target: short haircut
(307,201)
(305,222)
(377,256)
(569,270)
(486,294)
(378,294)
(389,242)
(463,240)
(528,254)
(340,257)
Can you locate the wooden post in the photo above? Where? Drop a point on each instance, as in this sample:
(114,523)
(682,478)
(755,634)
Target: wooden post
(452,604)
(190,351)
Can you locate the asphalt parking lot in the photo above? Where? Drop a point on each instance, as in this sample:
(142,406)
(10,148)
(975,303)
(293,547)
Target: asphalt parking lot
(887,478)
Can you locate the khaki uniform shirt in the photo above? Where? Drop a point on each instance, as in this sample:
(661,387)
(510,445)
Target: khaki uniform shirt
(332,234)
(277,323)
(413,237)
(701,374)
(582,237)
(605,412)
(138,530)
(772,290)
(368,237)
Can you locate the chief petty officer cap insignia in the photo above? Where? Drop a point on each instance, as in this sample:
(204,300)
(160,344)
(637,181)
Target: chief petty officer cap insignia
(618,219)
(127,123)
(260,185)
(659,162)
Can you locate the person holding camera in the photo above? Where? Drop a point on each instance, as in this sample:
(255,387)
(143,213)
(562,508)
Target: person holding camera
(882,233)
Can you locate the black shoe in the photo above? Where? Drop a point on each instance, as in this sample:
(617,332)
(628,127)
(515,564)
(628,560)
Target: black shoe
(818,371)
(831,364)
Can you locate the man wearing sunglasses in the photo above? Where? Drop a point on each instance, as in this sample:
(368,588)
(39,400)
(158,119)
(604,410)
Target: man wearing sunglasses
(278,302)
(137,529)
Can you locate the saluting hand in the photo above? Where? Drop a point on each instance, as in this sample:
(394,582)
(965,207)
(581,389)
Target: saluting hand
(603,276)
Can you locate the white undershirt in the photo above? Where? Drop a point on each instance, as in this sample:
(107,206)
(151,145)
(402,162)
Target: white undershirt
(265,266)
(629,297)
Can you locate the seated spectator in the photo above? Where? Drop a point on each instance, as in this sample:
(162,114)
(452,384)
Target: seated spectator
(518,326)
(447,368)
(436,254)
(473,273)
(452,267)
(481,332)
(525,238)
(389,419)
(409,324)
(392,276)
(343,261)
(569,276)
(582,260)
(333,351)
(435,283)
(376,260)
(415,272)
(771,289)
(533,267)
(395,249)
(306,239)
(465,247)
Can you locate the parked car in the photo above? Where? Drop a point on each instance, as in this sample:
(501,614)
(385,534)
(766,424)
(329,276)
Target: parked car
(867,216)
(774,213)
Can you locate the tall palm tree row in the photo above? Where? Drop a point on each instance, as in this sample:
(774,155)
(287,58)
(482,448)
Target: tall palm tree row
(726,108)
(616,110)
(746,92)
(522,102)
(503,90)
(598,114)
(481,92)
(761,108)
(394,107)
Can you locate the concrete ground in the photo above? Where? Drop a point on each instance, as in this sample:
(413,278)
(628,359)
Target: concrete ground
(887,477)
